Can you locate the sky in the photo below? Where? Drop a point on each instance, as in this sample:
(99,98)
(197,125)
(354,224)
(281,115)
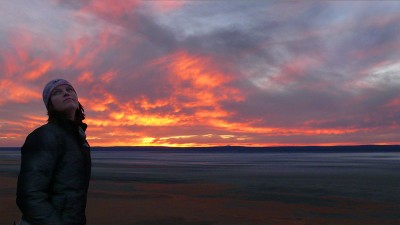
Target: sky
(206,73)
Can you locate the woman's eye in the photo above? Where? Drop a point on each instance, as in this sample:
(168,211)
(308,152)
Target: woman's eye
(56,92)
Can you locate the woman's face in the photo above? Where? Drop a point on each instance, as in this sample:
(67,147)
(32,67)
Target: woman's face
(65,100)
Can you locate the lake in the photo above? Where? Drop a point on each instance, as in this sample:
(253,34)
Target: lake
(233,186)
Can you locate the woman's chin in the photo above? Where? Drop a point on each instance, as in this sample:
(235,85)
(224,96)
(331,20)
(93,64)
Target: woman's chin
(69,109)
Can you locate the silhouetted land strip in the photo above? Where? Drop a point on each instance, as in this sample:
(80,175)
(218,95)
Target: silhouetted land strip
(306,149)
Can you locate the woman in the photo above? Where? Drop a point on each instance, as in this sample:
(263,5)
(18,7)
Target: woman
(55,162)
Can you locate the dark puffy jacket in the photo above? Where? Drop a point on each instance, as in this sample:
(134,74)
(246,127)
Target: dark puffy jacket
(54,176)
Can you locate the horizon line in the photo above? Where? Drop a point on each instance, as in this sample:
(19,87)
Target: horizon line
(235,146)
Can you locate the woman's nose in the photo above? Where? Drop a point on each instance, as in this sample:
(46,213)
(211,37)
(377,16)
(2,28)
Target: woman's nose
(66,93)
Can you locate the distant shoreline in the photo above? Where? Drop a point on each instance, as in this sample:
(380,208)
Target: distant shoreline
(316,149)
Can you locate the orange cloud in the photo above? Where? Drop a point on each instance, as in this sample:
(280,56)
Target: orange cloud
(86,77)
(110,8)
(11,64)
(196,70)
(107,77)
(129,115)
(21,42)
(16,92)
(167,6)
(201,84)
(192,78)
(41,68)
(200,81)
(146,104)
(394,103)
(82,54)
(18,59)
(102,100)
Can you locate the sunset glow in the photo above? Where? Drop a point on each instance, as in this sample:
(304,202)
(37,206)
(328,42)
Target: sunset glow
(213,73)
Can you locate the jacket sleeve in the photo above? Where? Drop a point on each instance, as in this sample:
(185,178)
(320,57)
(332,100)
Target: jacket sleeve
(39,156)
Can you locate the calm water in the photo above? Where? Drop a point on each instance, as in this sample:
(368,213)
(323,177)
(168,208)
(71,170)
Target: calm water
(290,177)
(371,175)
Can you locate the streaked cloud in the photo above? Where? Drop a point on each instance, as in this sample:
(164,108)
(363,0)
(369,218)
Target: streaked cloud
(200,73)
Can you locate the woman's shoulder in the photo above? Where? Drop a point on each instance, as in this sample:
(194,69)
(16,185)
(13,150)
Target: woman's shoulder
(47,133)
(48,128)
(46,138)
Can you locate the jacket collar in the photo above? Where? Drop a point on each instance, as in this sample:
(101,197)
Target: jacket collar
(69,124)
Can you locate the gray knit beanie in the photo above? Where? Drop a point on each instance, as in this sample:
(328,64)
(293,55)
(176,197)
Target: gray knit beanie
(50,87)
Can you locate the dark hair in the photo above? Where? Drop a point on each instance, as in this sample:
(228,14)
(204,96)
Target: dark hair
(55,115)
